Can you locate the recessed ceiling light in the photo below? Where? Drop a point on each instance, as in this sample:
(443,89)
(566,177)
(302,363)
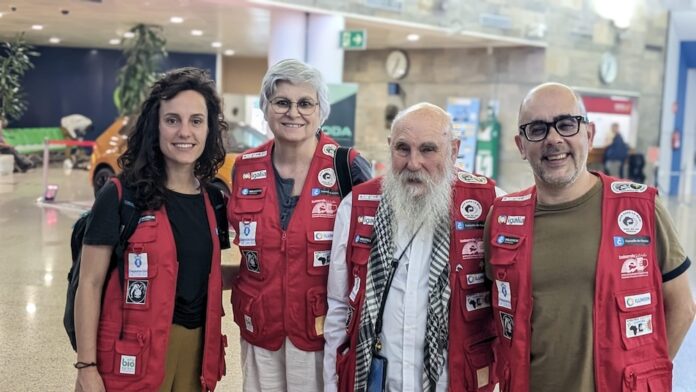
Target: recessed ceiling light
(54,40)
(229,52)
(413,37)
(216,44)
(128,34)
(114,41)
(37,27)
(0,14)
(176,19)
(196,32)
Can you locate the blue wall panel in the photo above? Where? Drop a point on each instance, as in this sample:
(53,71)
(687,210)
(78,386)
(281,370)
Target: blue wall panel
(77,80)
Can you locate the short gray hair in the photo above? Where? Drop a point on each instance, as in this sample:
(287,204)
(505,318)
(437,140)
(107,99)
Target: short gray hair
(295,72)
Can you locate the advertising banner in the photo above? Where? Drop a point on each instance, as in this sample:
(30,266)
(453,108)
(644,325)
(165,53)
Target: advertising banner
(465,116)
(341,122)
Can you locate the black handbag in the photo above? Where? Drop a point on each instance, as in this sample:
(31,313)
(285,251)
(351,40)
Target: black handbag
(377,377)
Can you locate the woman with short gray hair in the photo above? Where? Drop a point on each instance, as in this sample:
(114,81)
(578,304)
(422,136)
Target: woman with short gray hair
(283,204)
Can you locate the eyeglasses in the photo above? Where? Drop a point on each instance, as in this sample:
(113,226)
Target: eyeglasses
(304,106)
(566,126)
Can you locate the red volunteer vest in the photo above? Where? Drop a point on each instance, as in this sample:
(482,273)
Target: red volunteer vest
(470,356)
(136,361)
(281,287)
(630,341)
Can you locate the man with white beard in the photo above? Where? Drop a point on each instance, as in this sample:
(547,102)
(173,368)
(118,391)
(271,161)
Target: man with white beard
(406,285)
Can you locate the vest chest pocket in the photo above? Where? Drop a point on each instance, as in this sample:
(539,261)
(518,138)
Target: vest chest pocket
(131,353)
(481,365)
(247,207)
(505,253)
(108,333)
(248,311)
(649,376)
(636,317)
(319,252)
(317,308)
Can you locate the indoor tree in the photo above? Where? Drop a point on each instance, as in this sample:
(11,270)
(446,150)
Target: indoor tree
(15,61)
(143,54)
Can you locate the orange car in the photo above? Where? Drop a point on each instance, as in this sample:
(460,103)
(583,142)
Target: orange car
(112,143)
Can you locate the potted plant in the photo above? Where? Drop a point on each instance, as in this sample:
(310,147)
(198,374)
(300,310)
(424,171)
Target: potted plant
(143,53)
(15,61)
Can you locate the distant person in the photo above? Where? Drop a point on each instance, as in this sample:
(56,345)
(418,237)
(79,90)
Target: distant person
(21,163)
(162,330)
(615,154)
(283,204)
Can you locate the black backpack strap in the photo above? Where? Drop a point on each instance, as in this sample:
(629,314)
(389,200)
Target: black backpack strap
(129,216)
(342,169)
(219,202)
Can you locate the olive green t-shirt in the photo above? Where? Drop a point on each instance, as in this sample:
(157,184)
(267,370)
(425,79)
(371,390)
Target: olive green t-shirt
(566,243)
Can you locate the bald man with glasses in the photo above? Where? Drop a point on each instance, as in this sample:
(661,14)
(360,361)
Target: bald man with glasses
(589,291)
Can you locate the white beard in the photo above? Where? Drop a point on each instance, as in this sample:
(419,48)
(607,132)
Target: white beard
(411,209)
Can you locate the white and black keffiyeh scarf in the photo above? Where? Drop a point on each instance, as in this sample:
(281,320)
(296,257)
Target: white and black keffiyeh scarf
(378,270)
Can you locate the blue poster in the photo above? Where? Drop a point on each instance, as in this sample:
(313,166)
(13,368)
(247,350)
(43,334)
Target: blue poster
(465,116)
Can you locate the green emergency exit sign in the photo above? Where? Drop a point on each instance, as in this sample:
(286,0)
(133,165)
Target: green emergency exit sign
(353,39)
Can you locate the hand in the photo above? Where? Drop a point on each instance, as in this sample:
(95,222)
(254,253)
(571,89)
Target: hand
(89,380)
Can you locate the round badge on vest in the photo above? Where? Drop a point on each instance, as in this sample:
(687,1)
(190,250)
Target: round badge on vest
(327,177)
(471,209)
(630,222)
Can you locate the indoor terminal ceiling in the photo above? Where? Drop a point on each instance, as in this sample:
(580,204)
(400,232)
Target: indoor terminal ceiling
(241,27)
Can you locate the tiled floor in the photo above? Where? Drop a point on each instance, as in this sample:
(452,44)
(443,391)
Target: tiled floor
(35,257)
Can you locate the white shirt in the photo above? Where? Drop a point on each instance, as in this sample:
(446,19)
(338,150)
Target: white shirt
(405,312)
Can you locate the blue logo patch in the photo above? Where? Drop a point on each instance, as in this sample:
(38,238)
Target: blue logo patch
(316,192)
(500,239)
(245,191)
(619,241)
(459,225)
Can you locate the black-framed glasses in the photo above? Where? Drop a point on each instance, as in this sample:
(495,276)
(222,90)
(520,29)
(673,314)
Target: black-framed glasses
(283,105)
(566,126)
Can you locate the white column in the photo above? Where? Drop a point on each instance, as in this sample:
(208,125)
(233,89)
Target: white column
(288,36)
(323,50)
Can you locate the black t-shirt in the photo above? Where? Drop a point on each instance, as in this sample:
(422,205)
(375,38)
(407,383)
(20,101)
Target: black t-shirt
(194,247)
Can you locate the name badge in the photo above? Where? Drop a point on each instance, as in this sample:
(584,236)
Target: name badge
(247,233)
(137,265)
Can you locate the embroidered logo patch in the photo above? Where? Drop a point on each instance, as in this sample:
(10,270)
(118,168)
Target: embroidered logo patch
(366,220)
(507,323)
(327,177)
(634,266)
(626,186)
(639,326)
(322,258)
(251,259)
(127,364)
(504,294)
(137,292)
(366,197)
(517,198)
(638,300)
(472,279)
(252,155)
(478,301)
(329,149)
(630,222)
(323,209)
(471,209)
(255,175)
(633,240)
(471,179)
(323,235)
(472,248)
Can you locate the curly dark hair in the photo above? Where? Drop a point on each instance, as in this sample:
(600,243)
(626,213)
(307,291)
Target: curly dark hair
(143,162)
